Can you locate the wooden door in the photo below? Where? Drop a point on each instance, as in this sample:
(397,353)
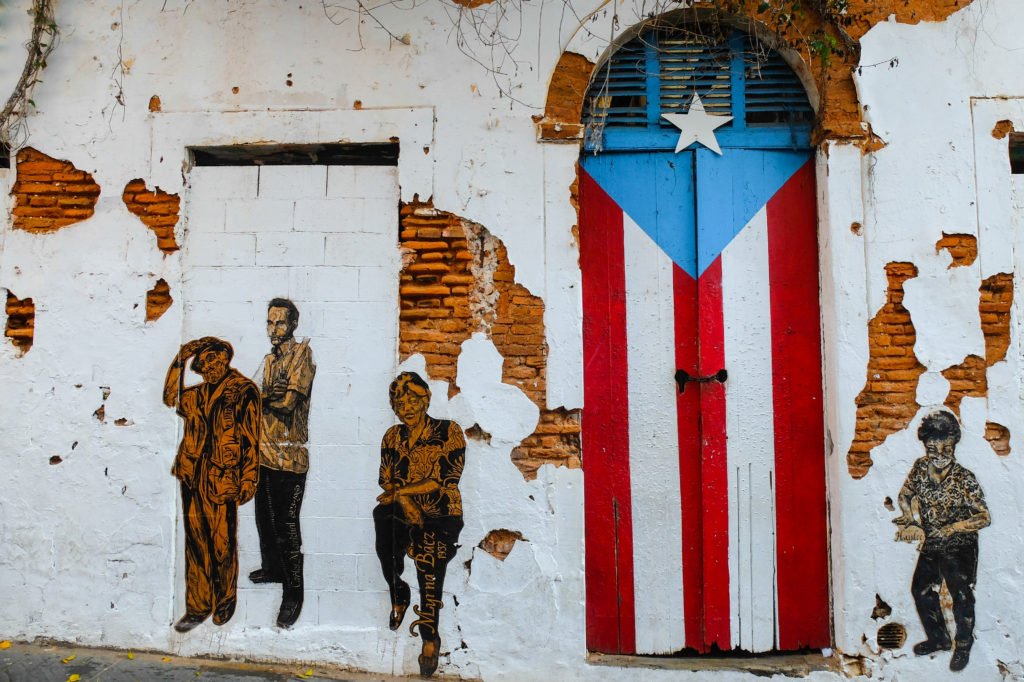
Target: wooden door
(702,428)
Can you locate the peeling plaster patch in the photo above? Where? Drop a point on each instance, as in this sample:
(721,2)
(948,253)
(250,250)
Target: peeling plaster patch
(154,103)
(499,543)
(856,228)
(888,401)
(100,413)
(1002,129)
(21,322)
(470,4)
(998,436)
(970,377)
(966,380)
(994,305)
(50,194)
(457,280)
(564,106)
(56,459)
(158,210)
(962,247)
(158,300)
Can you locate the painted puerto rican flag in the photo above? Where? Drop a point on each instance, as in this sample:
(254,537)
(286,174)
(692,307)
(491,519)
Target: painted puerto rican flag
(705,510)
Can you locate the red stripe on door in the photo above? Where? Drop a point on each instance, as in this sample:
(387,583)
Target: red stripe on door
(611,623)
(714,466)
(801,511)
(688,418)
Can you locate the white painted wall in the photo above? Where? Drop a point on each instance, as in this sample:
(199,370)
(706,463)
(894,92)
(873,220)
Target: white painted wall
(91,545)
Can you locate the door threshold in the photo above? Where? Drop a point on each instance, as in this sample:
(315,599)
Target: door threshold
(790,665)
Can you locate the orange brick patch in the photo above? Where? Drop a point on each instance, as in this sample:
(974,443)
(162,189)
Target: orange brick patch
(962,247)
(458,280)
(158,210)
(21,321)
(50,194)
(158,300)
(888,401)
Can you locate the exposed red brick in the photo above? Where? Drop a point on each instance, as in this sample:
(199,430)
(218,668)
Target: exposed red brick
(569,82)
(457,280)
(888,401)
(499,543)
(158,300)
(50,194)
(998,436)
(966,380)
(158,210)
(21,321)
(1002,129)
(995,300)
(962,247)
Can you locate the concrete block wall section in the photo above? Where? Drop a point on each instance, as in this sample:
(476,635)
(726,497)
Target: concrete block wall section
(252,234)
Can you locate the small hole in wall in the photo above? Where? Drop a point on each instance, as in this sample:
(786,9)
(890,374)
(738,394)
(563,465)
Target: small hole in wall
(892,636)
(1017,153)
(888,504)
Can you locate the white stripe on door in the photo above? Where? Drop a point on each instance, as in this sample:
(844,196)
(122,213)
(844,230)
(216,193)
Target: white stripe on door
(749,420)
(653,445)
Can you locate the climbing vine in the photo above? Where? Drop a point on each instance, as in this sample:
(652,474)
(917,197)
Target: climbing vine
(41,43)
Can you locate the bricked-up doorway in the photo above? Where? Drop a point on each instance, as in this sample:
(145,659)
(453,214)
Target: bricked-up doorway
(703,440)
(316,224)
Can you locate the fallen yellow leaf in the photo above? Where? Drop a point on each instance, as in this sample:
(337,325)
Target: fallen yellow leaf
(166,659)
(131,656)
(6,644)
(68,659)
(306,675)
(74,677)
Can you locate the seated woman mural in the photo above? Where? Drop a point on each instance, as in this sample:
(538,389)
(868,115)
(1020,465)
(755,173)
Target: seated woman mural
(420,511)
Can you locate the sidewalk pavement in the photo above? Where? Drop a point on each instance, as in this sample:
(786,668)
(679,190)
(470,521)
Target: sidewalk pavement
(55,662)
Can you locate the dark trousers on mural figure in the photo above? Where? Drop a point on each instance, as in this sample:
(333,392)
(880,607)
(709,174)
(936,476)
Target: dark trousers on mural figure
(211,555)
(431,546)
(958,567)
(278,503)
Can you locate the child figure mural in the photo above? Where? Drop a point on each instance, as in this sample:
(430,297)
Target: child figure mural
(420,511)
(943,509)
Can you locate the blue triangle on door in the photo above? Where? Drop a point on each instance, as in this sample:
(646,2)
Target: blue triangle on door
(656,190)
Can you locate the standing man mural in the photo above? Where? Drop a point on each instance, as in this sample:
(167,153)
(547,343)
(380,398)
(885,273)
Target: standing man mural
(287,379)
(217,465)
(943,509)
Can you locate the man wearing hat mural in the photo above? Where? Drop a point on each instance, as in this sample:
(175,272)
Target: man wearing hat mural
(218,466)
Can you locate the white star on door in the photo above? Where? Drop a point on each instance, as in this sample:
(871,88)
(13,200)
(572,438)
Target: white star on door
(696,125)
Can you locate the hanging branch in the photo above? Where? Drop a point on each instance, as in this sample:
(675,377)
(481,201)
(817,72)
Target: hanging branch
(40,45)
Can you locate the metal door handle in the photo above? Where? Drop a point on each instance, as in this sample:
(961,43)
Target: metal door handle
(683,378)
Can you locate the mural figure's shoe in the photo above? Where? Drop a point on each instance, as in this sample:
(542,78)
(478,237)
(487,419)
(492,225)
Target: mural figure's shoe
(397,615)
(961,656)
(260,576)
(224,612)
(189,621)
(930,646)
(428,656)
(291,607)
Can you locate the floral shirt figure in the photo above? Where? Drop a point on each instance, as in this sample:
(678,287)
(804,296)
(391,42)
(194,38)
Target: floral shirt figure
(943,508)
(420,511)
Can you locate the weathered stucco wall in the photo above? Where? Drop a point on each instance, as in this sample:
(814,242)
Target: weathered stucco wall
(103,286)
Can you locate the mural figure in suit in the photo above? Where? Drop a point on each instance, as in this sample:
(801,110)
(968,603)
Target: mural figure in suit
(217,466)
(420,511)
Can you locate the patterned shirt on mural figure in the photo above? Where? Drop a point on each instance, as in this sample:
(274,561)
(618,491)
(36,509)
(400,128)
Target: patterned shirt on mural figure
(943,508)
(218,467)
(419,514)
(956,497)
(286,382)
(285,434)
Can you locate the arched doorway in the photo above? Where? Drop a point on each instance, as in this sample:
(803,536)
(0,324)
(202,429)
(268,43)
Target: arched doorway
(703,443)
